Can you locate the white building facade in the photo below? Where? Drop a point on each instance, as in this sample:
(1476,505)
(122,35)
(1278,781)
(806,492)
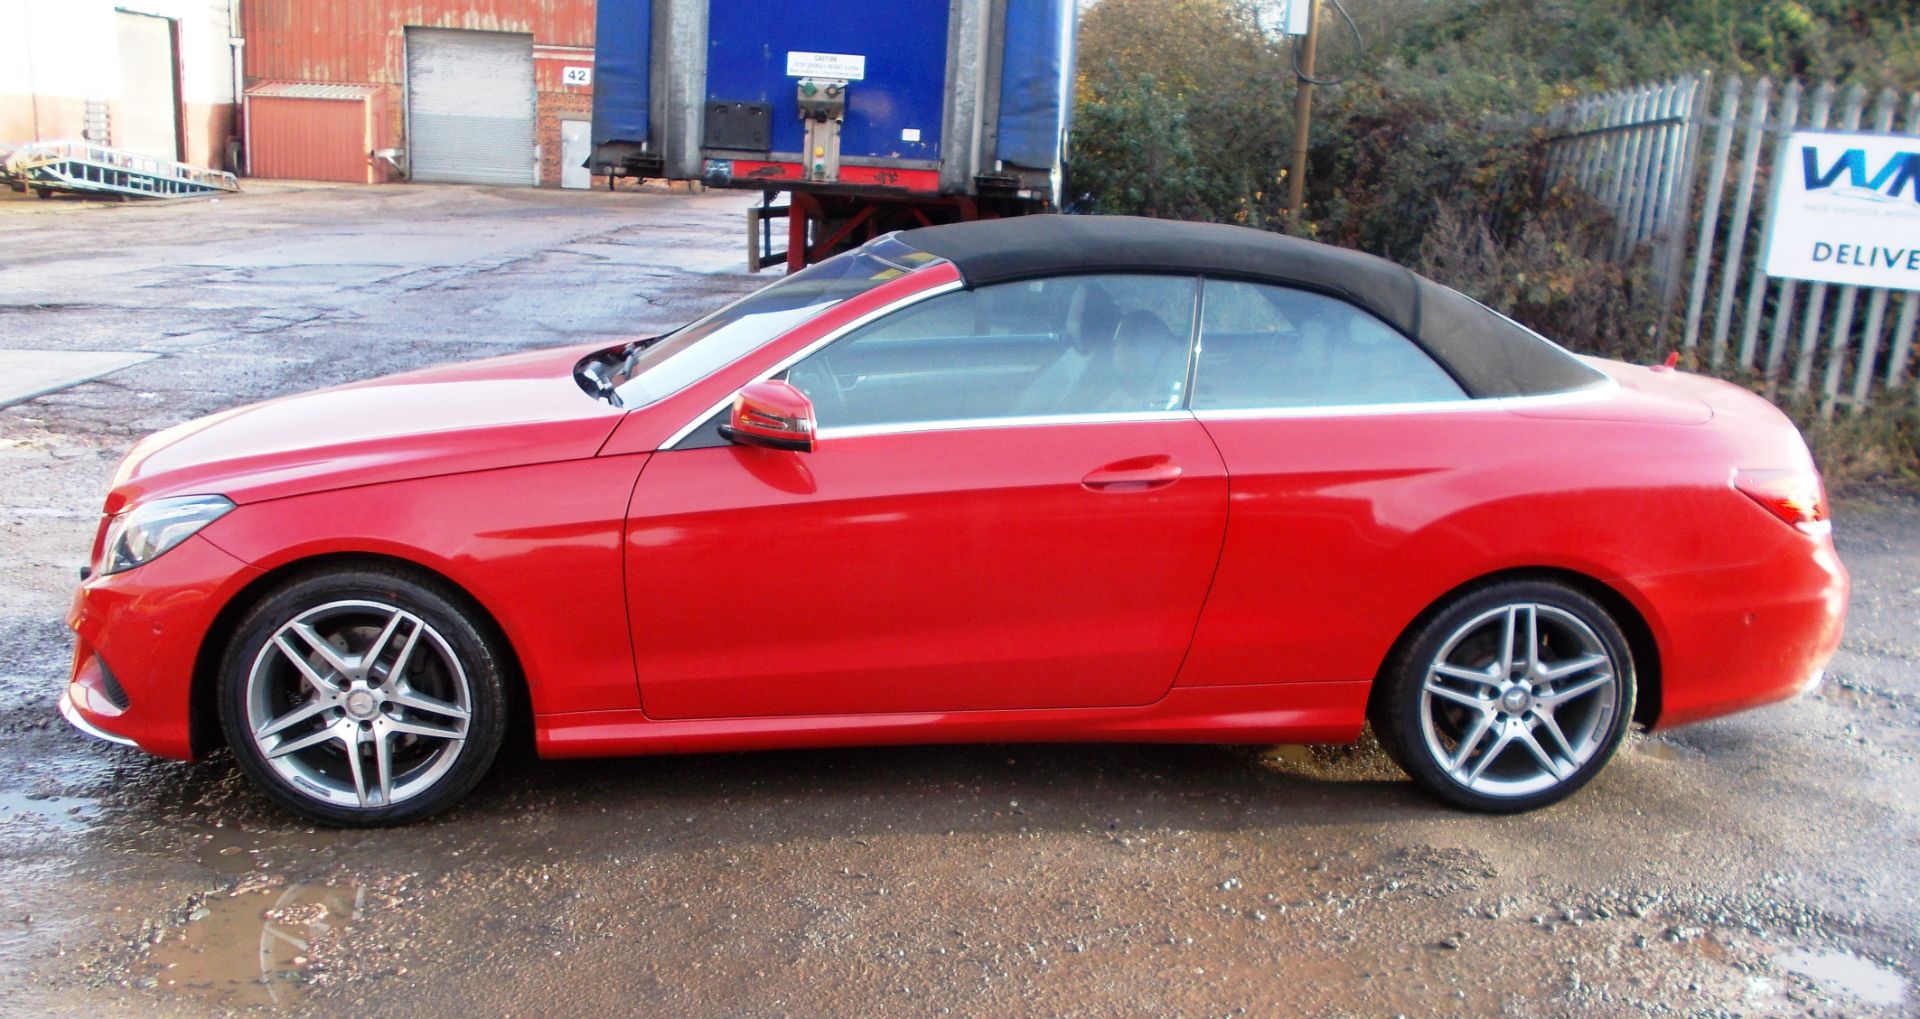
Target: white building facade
(155,77)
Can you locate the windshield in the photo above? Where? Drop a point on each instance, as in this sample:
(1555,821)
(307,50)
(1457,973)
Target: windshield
(688,354)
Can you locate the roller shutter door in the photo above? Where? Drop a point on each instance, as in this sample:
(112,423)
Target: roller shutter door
(470,113)
(148,120)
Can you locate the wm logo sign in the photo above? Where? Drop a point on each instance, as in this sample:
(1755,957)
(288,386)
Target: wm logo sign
(1847,210)
(1884,183)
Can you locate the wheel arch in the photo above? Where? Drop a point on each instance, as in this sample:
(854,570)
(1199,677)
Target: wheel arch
(204,733)
(1641,642)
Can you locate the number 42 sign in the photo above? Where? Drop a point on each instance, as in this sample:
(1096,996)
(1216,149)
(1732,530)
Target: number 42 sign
(573,75)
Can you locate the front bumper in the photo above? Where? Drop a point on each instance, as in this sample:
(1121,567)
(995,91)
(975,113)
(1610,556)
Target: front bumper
(139,635)
(79,721)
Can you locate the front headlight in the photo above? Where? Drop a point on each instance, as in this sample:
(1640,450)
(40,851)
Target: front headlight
(148,530)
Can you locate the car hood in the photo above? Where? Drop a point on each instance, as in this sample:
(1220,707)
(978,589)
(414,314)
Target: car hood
(479,415)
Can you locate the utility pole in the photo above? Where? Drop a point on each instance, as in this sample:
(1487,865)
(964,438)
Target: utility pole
(1302,114)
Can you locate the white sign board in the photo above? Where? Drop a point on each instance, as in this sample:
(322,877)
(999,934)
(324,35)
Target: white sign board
(1848,210)
(574,75)
(1295,15)
(849,66)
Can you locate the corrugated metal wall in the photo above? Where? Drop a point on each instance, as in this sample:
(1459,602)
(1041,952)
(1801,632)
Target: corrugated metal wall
(470,106)
(362,41)
(310,139)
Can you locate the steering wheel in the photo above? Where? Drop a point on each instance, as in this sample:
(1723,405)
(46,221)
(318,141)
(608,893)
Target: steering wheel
(815,377)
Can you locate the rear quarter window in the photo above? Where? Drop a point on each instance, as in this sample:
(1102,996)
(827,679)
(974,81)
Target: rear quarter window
(1492,354)
(1275,347)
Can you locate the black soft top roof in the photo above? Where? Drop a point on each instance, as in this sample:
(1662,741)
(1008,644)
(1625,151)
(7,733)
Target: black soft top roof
(1489,355)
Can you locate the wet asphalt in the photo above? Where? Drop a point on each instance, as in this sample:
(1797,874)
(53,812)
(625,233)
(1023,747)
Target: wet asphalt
(1759,865)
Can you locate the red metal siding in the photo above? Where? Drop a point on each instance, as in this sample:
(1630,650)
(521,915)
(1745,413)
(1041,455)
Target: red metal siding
(362,41)
(310,139)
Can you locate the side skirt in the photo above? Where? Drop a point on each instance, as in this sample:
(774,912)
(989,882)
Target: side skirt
(1273,713)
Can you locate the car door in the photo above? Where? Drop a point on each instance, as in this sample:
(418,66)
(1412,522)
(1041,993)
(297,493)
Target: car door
(1349,449)
(1008,507)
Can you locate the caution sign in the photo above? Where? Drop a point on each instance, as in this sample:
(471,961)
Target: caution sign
(844,66)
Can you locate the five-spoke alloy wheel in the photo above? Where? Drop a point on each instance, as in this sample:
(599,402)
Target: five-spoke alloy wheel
(362,697)
(1509,698)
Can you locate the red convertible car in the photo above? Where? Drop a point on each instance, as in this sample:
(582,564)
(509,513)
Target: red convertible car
(1052,478)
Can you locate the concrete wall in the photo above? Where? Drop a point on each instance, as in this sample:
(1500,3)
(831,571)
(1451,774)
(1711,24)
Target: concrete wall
(56,57)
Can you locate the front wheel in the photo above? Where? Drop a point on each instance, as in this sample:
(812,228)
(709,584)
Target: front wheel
(363,697)
(1510,698)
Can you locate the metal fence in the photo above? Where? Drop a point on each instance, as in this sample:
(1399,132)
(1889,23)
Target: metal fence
(1639,151)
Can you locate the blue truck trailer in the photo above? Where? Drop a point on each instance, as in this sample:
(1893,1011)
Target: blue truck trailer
(870,118)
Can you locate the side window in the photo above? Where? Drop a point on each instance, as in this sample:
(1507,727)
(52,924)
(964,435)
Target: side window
(1037,348)
(1265,346)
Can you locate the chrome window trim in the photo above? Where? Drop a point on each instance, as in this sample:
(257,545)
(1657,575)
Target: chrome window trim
(1194,340)
(1020,421)
(905,302)
(1592,391)
(1606,385)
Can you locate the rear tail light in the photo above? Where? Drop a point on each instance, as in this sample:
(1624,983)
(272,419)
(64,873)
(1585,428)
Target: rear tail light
(1795,496)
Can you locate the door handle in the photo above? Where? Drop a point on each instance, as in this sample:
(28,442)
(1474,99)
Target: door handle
(1137,474)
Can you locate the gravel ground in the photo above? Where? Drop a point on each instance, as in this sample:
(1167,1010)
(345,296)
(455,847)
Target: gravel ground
(1759,865)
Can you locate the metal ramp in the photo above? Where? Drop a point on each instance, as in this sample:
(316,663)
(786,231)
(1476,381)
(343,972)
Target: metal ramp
(82,168)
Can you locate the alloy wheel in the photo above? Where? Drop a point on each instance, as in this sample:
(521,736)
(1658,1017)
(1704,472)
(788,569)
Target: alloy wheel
(1518,700)
(358,703)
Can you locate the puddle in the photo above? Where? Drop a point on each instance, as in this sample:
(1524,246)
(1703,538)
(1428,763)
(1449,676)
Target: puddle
(255,949)
(1661,750)
(1849,974)
(65,813)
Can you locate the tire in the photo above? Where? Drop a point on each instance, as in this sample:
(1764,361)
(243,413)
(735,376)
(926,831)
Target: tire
(363,697)
(1505,735)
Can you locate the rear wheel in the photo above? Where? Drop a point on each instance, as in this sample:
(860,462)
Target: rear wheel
(362,697)
(1510,698)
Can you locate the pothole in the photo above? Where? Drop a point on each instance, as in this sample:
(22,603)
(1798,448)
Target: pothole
(1363,761)
(256,949)
(1848,974)
(65,813)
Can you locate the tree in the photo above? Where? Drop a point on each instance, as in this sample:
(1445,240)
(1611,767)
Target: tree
(1182,111)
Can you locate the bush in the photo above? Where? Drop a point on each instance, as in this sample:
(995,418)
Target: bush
(1135,154)
(1185,105)
(1429,155)
(1182,112)
(1874,448)
(1555,275)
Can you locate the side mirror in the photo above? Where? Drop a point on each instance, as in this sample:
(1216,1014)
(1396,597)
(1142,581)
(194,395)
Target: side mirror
(773,414)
